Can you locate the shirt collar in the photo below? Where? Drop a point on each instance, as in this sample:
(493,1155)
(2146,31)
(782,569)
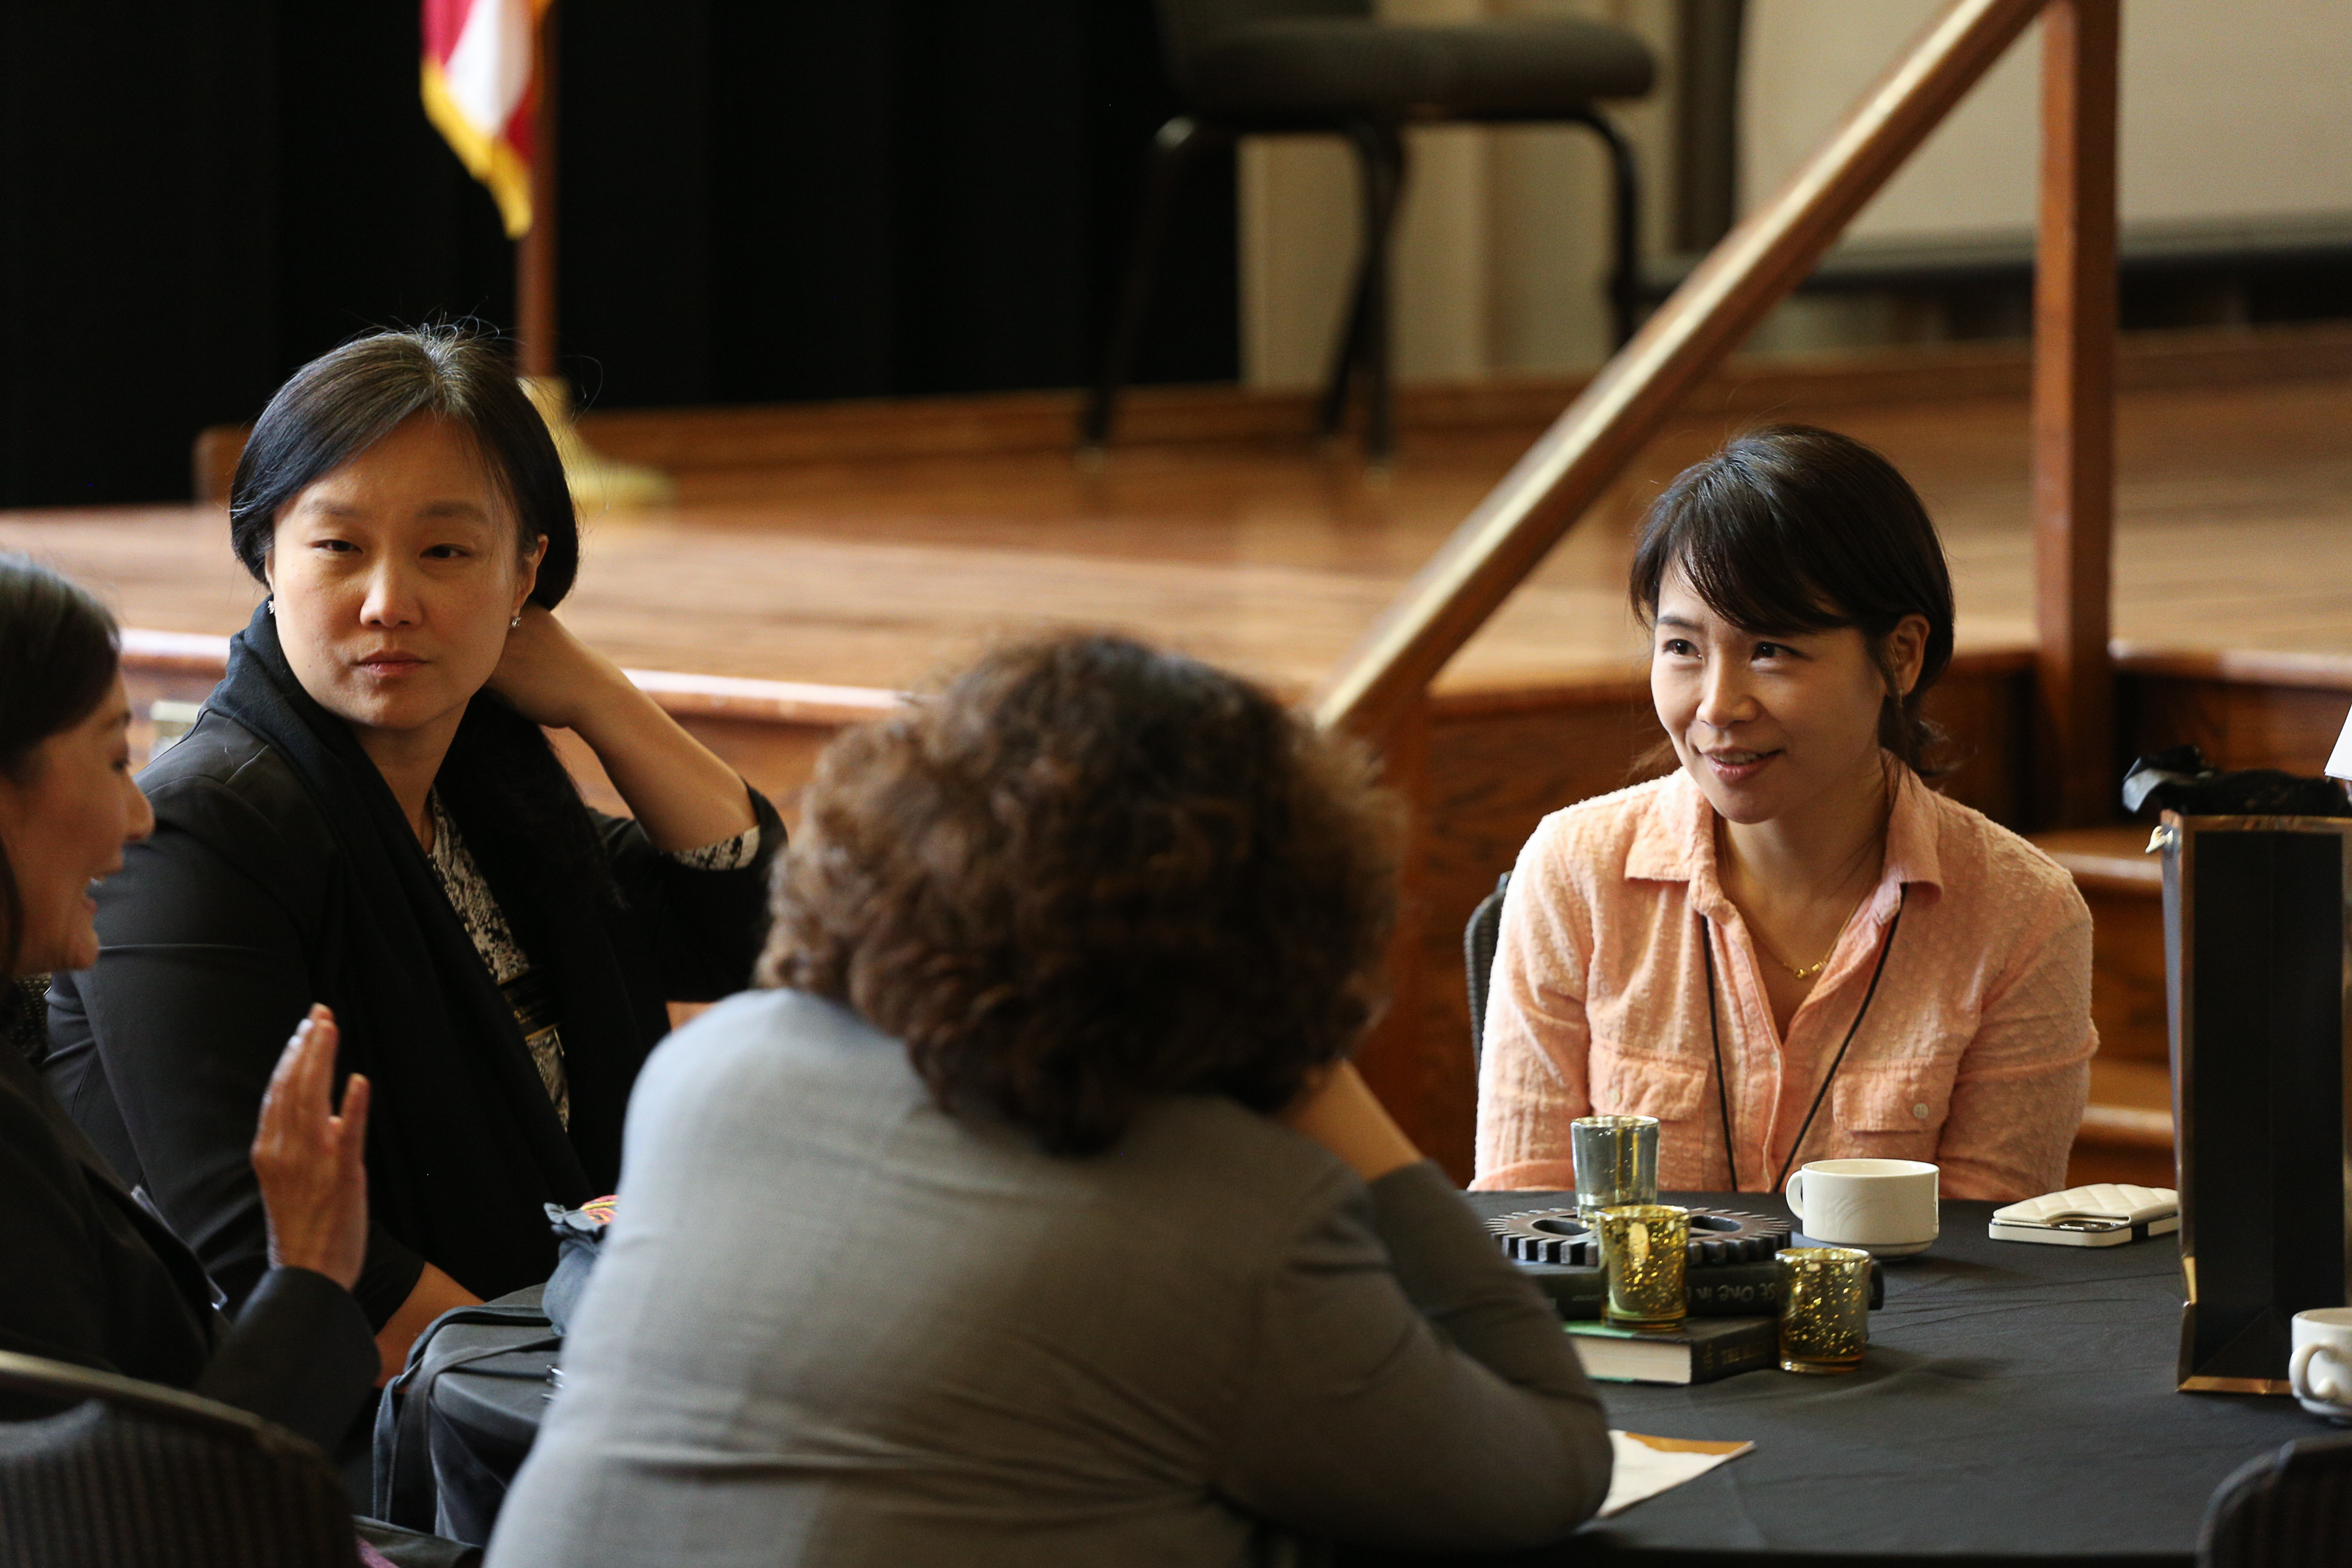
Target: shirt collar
(1675,843)
(1911,856)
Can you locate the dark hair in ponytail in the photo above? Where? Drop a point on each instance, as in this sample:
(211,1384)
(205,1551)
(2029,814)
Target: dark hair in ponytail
(500,767)
(58,654)
(1790,529)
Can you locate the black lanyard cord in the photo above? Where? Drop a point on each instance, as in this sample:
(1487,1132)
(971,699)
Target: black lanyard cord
(1714,1042)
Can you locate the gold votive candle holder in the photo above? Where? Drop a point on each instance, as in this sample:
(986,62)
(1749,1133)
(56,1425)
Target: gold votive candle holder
(1645,1249)
(1824,1307)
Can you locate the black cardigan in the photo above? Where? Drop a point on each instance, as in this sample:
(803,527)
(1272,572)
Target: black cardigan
(282,872)
(92,1278)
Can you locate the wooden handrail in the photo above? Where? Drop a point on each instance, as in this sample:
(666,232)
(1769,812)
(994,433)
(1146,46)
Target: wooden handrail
(1753,268)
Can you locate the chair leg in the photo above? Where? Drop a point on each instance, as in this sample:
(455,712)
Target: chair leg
(1344,357)
(1380,422)
(1170,156)
(1348,355)
(1364,341)
(1334,409)
(1625,268)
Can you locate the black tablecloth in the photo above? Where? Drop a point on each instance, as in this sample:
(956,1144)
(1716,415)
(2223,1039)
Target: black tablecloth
(2017,1402)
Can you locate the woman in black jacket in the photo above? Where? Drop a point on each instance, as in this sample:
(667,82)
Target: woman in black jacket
(369,814)
(92,1276)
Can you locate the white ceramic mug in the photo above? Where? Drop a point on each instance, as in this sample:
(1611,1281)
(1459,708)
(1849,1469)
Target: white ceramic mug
(1886,1207)
(2321,1371)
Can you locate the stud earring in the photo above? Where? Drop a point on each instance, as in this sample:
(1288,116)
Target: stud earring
(270,606)
(515,625)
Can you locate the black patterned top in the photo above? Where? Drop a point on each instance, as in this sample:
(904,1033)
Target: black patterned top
(527,992)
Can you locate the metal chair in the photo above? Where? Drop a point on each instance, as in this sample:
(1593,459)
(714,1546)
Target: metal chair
(1478,957)
(138,1476)
(2291,1509)
(28,1019)
(1270,65)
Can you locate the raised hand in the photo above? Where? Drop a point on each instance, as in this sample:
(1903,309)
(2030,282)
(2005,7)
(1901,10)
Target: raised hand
(311,1162)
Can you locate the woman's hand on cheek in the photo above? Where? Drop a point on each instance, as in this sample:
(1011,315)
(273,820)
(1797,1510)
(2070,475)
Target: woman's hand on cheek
(549,676)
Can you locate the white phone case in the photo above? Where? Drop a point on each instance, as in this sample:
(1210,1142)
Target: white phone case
(2106,1214)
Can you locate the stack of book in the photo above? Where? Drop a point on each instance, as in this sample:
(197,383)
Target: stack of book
(1701,1351)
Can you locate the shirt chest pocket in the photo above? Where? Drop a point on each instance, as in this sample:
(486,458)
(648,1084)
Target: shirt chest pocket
(1900,1103)
(1625,1084)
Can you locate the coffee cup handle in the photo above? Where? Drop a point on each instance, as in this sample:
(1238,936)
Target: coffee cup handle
(2326,1390)
(1795,1192)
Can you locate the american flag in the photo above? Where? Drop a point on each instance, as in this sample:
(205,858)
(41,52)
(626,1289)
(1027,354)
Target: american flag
(480,92)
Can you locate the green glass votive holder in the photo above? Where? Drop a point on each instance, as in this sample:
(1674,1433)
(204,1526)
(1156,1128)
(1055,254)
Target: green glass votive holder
(1616,1160)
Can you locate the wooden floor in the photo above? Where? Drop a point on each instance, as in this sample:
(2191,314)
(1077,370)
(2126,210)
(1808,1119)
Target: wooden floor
(2235,507)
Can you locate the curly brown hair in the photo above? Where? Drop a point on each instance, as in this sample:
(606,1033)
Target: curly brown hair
(1089,873)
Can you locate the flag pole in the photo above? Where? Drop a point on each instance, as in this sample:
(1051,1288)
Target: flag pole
(535,251)
(597,482)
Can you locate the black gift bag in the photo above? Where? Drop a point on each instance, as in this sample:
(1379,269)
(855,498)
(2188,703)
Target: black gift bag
(2260,993)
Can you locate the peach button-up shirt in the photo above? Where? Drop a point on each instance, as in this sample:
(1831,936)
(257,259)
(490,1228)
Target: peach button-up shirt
(1975,1053)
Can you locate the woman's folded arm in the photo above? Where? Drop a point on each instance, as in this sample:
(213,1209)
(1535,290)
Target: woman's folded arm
(1408,1388)
(704,926)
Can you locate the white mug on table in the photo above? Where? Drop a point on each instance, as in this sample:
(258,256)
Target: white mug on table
(1886,1207)
(2321,1371)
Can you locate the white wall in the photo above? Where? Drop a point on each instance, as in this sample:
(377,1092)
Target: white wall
(2233,110)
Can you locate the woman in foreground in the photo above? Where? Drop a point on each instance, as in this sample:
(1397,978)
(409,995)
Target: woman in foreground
(1791,949)
(1039,1218)
(369,814)
(90,1276)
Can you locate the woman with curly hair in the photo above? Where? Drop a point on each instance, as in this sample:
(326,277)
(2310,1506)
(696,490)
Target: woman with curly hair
(1037,1216)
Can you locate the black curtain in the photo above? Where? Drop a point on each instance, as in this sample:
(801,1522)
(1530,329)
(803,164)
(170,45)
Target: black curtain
(761,201)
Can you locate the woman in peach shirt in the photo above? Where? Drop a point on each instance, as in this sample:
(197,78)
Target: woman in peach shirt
(1791,949)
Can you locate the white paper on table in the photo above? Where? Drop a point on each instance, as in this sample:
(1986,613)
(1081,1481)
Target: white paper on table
(2339,765)
(1648,1466)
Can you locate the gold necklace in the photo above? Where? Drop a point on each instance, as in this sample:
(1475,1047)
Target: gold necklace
(1812,969)
(1808,971)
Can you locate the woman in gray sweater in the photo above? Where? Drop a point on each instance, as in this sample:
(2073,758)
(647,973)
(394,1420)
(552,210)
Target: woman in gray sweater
(1036,1217)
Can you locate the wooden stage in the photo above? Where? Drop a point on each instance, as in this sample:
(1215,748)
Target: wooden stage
(818,561)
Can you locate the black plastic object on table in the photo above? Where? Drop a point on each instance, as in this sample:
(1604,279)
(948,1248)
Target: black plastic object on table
(2180,778)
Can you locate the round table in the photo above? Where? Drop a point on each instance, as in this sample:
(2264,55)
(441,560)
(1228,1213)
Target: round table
(2017,1402)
